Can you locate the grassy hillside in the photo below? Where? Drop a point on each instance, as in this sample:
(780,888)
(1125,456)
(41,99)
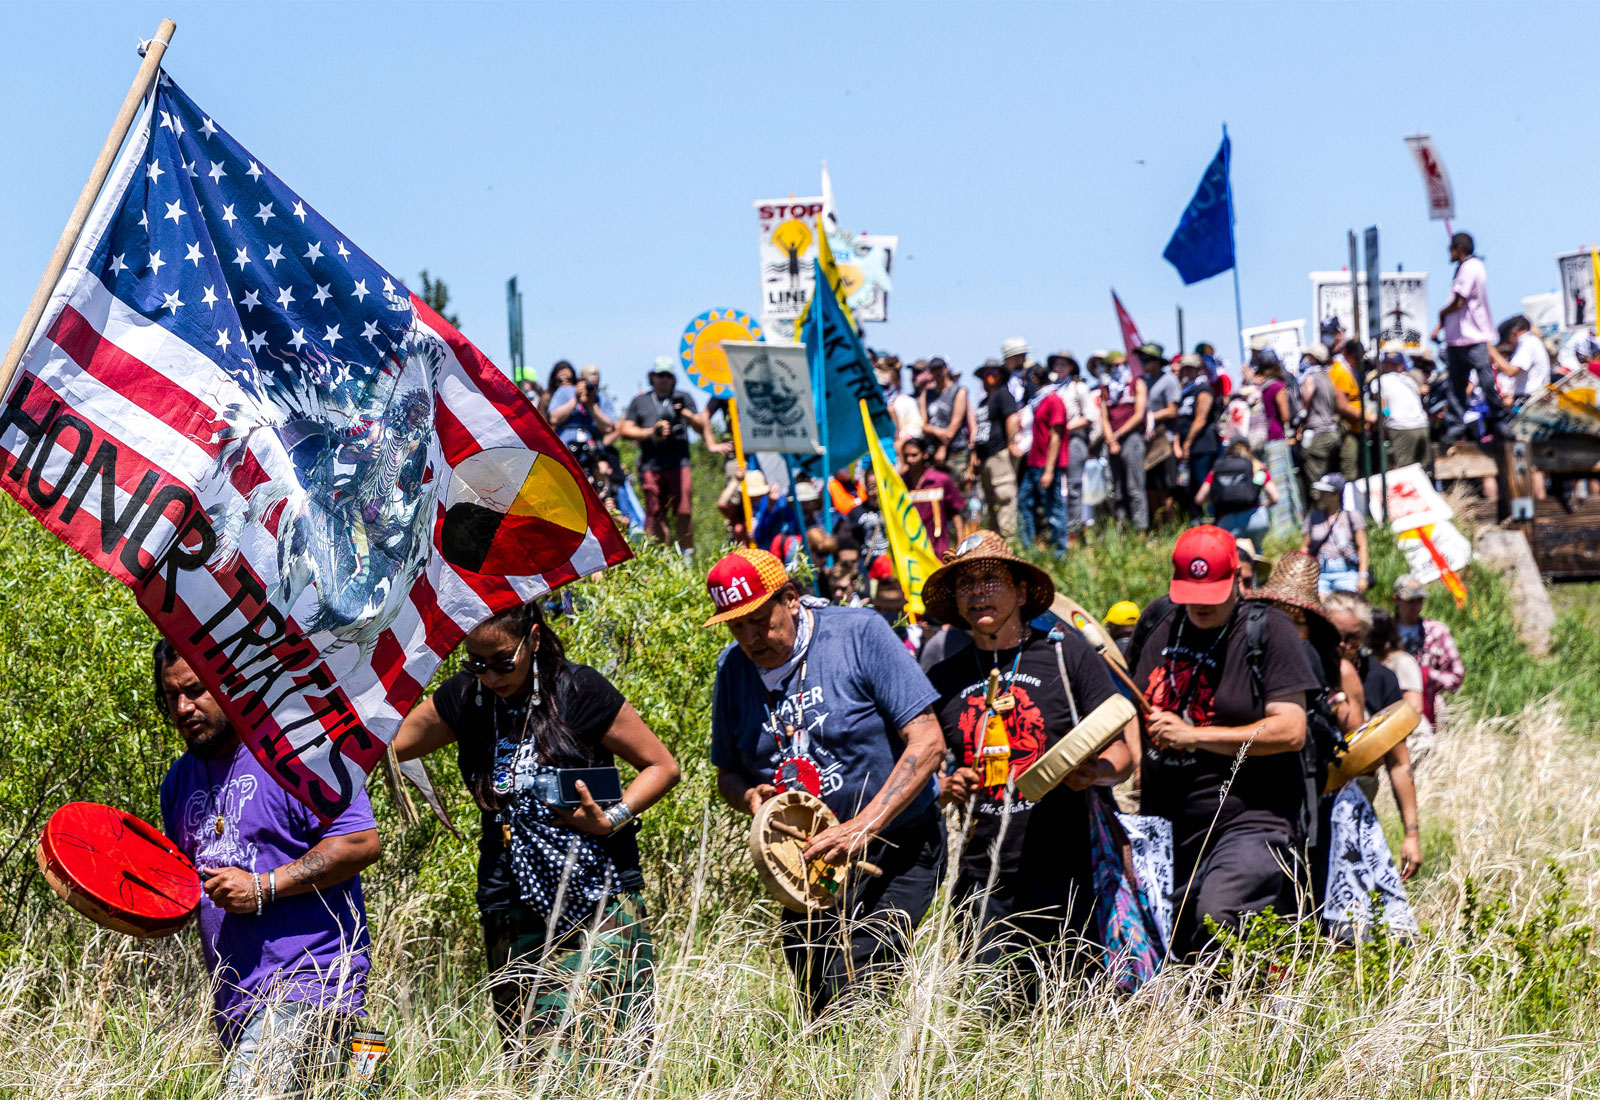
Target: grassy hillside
(1497,998)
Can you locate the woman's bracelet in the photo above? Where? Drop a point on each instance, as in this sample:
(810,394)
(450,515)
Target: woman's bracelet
(1413,829)
(255,880)
(619,815)
(272,886)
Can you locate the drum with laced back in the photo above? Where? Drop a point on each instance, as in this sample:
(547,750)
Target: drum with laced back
(118,870)
(783,825)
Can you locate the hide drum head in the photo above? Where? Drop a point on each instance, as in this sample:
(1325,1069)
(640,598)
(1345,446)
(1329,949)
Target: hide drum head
(117,870)
(776,849)
(1368,744)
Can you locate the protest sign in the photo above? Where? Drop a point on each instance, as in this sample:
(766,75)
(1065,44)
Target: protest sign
(700,347)
(1577,288)
(772,384)
(788,244)
(1404,295)
(1544,312)
(1435,181)
(1284,337)
(1412,500)
(1435,549)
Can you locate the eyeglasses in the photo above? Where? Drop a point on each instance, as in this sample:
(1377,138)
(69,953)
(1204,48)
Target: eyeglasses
(501,665)
(1350,639)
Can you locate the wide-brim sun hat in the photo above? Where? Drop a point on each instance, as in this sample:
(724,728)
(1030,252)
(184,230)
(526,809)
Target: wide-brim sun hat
(1293,583)
(939,590)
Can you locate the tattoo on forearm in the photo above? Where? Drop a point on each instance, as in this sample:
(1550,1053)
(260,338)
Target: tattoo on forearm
(904,770)
(308,868)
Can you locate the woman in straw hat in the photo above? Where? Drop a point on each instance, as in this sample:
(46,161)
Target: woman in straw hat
(1350,857)
(1025,881)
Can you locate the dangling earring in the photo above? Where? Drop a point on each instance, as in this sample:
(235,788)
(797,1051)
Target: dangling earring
(480,693)
(536,698)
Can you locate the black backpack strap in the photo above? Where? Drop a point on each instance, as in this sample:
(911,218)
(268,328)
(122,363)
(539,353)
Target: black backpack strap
(1255,650)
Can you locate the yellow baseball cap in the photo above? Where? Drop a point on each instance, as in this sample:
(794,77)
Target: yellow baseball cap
(1122,613)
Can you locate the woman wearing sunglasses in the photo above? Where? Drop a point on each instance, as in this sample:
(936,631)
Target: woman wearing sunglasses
(559,885)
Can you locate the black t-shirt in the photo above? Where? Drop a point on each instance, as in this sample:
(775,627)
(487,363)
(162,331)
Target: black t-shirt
(993,409)
(866,527)
(1202,676)
(1045,841)
(644,410)
(588,704)
(1379,683)
(1206,442)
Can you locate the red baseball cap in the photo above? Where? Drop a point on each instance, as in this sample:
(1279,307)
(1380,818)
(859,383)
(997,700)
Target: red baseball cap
(882,568)
(1203,564)
(742,582)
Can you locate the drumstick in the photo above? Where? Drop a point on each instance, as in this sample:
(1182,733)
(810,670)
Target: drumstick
(1117,671)
(797,834)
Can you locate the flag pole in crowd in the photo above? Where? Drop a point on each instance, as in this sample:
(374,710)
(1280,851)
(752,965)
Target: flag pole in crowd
(738,458)
(1233,248)
(153,50)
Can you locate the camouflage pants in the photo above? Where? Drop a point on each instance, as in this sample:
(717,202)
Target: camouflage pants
(589,990)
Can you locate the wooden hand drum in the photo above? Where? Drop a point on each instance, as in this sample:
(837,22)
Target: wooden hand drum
(782,825)
(117,870)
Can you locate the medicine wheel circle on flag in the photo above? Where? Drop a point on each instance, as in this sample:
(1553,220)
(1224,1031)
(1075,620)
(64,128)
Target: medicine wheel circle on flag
(700,348)
(512,512)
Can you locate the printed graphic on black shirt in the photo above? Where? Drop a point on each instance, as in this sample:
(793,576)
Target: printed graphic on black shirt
(1023,723)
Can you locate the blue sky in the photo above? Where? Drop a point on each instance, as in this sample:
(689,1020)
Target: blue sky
(1030,156)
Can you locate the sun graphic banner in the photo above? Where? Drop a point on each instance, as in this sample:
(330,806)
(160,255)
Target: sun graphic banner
(312,483)
(772,384)
(914,560)
(700,347)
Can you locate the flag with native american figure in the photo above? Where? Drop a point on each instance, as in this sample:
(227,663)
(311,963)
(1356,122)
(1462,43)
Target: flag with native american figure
(312,483)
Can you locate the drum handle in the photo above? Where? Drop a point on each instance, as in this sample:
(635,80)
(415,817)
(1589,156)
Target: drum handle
(799,834)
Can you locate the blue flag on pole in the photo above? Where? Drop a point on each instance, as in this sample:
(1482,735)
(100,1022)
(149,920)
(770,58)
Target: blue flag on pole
(841,378)
(1202,245)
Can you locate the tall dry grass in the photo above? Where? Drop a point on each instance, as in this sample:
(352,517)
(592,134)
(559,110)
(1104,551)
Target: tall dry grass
(1492,1000)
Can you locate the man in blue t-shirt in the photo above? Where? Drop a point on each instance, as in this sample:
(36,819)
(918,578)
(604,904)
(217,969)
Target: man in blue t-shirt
(283,929)
(828,700)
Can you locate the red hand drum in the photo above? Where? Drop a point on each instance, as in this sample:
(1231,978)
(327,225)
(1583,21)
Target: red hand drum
(117,870)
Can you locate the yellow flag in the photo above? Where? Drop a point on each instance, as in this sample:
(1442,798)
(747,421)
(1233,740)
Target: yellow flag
(830,271)
(908,539)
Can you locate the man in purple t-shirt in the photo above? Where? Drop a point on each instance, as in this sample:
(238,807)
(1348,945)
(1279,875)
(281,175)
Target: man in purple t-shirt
(283,929)
(1468,330)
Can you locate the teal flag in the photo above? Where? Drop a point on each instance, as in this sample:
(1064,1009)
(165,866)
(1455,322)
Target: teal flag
(841,378)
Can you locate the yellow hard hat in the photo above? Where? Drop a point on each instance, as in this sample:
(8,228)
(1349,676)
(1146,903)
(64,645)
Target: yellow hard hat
(1122,613)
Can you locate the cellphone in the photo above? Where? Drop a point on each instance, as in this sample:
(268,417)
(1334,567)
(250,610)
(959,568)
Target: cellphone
(605,786)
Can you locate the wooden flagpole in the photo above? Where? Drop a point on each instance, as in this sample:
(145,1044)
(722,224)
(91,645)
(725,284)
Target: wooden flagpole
(154,50)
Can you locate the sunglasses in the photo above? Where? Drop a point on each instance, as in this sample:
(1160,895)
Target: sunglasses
(500,664)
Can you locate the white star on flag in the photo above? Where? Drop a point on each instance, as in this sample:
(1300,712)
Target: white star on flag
(274,254)
(285,297)
(156,262)
(322,294)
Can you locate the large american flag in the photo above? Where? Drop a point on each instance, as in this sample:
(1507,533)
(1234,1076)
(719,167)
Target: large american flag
(313,484)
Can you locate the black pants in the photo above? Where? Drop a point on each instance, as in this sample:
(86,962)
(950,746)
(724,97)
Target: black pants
(1471,361)
(1242,870)
(866,934)
(1031,925)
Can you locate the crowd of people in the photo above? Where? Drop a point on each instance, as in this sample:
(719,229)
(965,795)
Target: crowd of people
(1223,798)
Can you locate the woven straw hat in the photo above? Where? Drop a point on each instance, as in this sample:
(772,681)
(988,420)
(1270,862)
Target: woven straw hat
(1294,584)
(939,590)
